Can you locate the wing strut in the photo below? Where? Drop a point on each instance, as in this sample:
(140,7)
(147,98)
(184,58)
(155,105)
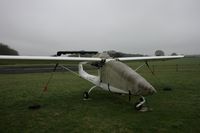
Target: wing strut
(64,67)
(139,67)
(156,78)
(51,76)
(149,68)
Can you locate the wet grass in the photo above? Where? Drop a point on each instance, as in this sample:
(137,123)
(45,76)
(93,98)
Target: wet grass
(64,110)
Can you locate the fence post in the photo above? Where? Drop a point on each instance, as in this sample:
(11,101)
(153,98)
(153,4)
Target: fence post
(176,67)
(153,70)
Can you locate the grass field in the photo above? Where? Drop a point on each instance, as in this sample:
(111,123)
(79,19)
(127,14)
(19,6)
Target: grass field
(63,110)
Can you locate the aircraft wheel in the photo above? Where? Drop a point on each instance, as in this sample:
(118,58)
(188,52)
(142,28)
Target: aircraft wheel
(138,108)
(85,95)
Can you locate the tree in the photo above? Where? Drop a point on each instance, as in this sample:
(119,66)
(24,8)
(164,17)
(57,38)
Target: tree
(159,53)
(6,50)
(173,54)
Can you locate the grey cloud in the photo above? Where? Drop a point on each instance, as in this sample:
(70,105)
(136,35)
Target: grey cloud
(40,27)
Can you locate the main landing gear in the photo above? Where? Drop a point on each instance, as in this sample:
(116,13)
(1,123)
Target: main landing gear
(86,93)
(140,106)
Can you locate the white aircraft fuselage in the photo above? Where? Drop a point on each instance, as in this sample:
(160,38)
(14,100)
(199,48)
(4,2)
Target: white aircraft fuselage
(117,77)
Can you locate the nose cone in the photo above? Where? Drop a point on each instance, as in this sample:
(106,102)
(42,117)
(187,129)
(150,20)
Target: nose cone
(152,90)
(146,88)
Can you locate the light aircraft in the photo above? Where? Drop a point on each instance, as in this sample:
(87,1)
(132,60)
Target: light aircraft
(113,75)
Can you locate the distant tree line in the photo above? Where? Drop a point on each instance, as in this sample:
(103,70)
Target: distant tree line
(111,53)
(162,53)
(6,50)
(116,54)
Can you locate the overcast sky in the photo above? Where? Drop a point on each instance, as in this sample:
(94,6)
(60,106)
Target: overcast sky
(42,27)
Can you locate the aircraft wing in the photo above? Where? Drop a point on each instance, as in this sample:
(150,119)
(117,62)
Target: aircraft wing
(49,58)
(150,58)
(87,59)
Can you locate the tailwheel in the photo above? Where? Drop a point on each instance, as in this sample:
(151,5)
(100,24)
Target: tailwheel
(85,95)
